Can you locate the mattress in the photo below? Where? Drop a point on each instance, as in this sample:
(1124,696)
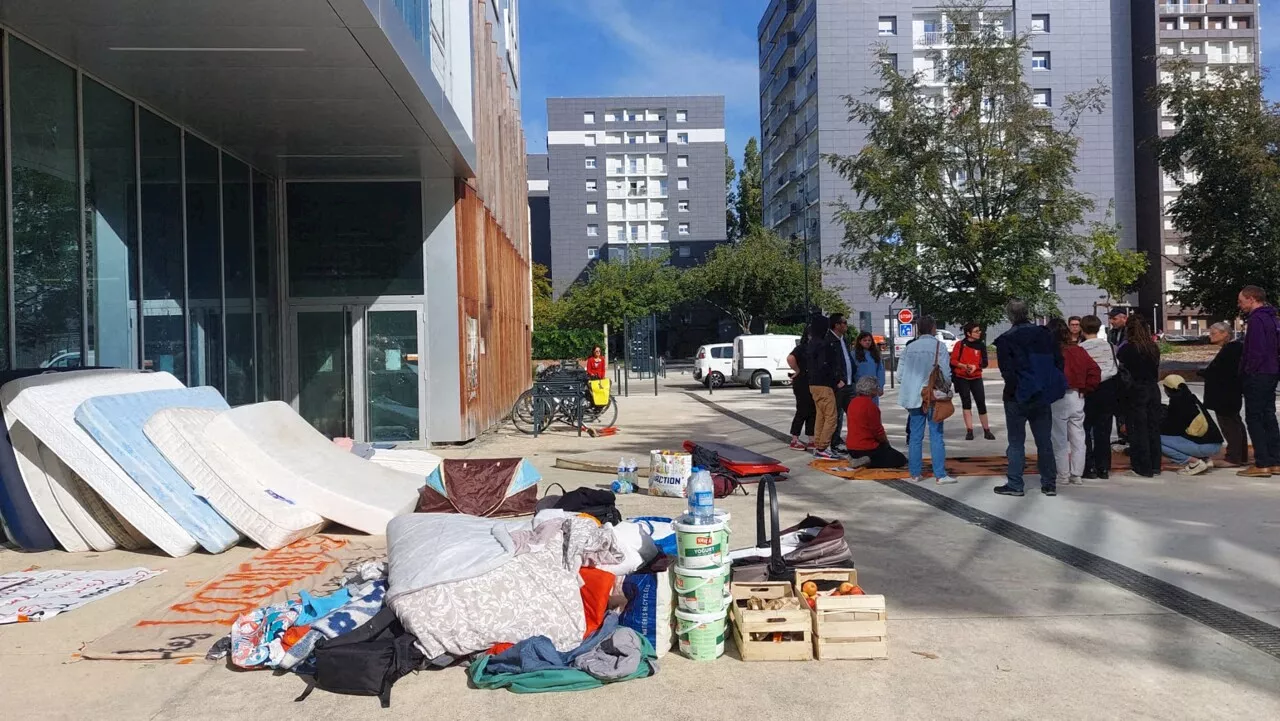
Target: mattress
(22,520)
(46,405)
(26,452)
(295,461)
(85,509)
(234,489)
(407,460)
(116,422)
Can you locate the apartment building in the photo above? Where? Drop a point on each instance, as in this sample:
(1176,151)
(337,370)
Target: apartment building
(813,53)
(1212,35)
(633,175)
(540,210)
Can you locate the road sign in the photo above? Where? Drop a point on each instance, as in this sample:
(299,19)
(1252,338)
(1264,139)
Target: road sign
(905,316)
(905,330)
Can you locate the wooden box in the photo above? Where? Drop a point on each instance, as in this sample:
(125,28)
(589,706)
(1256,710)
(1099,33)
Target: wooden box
(846,627)
(796,621)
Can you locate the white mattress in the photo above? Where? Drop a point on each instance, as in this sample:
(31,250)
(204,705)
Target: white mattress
(295,461)
(83,508)
(46,405)
(26,450)
(407,460)
(234,490)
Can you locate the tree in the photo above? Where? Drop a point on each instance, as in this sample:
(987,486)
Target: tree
(730,198)
(759,278)
(620,289)
(1225,158)
(547,311)
(1108,267)
(964,199)
(750,200)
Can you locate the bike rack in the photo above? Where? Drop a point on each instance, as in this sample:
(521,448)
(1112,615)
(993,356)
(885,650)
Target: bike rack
(558,393)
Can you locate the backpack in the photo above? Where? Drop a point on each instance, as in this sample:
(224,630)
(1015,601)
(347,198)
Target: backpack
(600,504)
(726,484)
(366,661)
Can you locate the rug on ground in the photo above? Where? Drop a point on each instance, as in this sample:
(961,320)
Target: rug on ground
(987,466)
(41,595)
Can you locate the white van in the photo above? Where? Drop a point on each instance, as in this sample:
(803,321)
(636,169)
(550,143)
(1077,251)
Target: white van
(714,364)
(756,357)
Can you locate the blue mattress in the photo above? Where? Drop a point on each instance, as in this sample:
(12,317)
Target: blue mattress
(116,423)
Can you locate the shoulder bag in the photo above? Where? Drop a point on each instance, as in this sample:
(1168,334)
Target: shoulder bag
(936,394)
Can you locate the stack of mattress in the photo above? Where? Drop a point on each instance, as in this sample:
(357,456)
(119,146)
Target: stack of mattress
(104,459)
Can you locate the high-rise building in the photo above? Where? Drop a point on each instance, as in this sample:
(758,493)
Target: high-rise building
(539,210)
(814,53)
(633,175)
(279,199)
(1210,35)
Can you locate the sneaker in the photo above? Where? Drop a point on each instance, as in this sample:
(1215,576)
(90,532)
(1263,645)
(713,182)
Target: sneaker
(1135,474)
(1255,472)
(1049,491)
(798,445)
(968,436)
(917,479)
(1075,481)
(1194,468)
(945,481)
(860,462)
(1090,475)
(825,455)
(987,434)
(1005,490)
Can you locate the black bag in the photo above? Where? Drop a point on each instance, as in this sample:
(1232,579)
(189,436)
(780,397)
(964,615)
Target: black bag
(594,502)
(368,660)
(822,546)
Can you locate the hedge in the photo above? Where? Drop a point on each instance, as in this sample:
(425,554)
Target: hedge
(561,344)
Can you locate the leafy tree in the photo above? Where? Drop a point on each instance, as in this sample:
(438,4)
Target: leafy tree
(730,197)
(750,196)
(965,199)
(1225,158)
(759,279)
(1108,267)
(547,311)
(620,289)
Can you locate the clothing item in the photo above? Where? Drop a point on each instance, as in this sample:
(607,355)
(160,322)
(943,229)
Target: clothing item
(1040,417)
(1143,408)
(846,360)
(1115,336)
(806,412)
(1181,451)
(882,456)
(844,395)
(826,361)
(917,421)
(1099,409)
(971,391)
(1031,364)
(596,368)
(969,352)
(1083,374)
(1260,415)
(615,658)
(868,366)
(1142,367)
(1068,436)
(539,654)
(824,401)
(1261,343)
(866,431)
(915,365)
(1182,410)
(1223,391)
(1237,438)
(801,378)
(1102,353)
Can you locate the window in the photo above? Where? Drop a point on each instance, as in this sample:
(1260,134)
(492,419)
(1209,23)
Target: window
(592,208)
(1040,23)
(590,139)
(163,274)
(1042,98)
(682,161)
(593,230)
(685,252)
(682,116)
(592,185)
(1040,61)
(682,184)
(266,272)
(683,229)
(591,163)
(204,263)
(611,116)
(237,280)
(890,59)
(593,253)
(683,206)
(589,118)
(888,25)
(682,138)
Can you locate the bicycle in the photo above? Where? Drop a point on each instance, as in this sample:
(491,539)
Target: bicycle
(524,411)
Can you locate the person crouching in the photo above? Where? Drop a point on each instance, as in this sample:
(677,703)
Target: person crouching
(867,441)
(1188,435)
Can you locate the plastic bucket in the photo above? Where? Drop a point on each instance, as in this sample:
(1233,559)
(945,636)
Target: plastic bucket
(701,546)
(702,590)
(701,635)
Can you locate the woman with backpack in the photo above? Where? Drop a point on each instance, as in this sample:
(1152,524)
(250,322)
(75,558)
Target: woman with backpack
(866,361)
(1083,377)
(968,358)
(1140,360)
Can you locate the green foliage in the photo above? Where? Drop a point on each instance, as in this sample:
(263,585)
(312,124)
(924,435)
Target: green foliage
(1107,266)
(1225,158)
(750,196)
(761,277)
(547,311)
(556,344)
(965,202)
(616,290)
(730,197)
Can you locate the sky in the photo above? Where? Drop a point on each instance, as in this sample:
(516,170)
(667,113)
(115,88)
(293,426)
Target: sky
(587,48)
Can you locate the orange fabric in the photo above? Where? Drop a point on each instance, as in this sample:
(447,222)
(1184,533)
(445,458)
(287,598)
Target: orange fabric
(498,648)
(597,585)
(294,634)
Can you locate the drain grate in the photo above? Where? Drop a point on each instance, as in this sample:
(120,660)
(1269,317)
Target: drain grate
(1240,626)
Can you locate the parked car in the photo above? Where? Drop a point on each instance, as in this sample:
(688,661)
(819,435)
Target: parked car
(714,364)
(948,339)
(756,357)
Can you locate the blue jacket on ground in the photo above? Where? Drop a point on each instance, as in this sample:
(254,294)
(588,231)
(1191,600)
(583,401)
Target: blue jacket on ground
(1031,364)
(1261,342)
(916,364)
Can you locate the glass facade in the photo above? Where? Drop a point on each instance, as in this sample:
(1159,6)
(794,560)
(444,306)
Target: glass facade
(134,243)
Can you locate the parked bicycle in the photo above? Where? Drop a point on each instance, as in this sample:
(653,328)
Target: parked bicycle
(561,406)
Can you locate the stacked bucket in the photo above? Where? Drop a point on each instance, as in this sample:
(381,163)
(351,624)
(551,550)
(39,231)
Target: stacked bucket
(701,576)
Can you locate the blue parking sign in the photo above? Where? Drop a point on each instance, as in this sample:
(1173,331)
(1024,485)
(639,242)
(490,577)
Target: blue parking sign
(905,330)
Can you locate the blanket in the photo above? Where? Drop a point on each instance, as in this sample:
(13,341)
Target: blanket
(40,595)
(427,549)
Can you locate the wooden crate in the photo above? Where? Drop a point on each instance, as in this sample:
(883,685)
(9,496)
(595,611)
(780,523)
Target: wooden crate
(846,627)
(747,622)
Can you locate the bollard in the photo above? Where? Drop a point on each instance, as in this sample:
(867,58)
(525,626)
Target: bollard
(765,381)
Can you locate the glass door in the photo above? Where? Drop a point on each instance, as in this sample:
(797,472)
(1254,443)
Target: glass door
(321,378)
(392,375)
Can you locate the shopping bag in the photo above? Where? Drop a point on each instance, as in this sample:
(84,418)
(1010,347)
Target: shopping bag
(818,543)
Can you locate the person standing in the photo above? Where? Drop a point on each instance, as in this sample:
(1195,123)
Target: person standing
(844,385)
(1100,405)
(1083,376)
(868,443)
(1073,324)
(867,362)
(1031,364)
(824,377)
(1188,436)
(1117,318)
(805,411)
(915,367)
(1140,358)
(1224,392)
(968,358)
(1259,373)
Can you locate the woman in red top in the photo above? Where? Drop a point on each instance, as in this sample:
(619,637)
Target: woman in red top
(867,442)
(595,365)
(968,358)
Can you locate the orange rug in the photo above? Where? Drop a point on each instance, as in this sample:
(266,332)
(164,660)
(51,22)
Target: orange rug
(990,466)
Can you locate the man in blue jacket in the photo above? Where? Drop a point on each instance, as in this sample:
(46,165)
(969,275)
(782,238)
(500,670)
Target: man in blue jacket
(1031,365)
(1259,374)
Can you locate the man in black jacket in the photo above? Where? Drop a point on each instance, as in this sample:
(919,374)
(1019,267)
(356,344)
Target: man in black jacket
(844,375)
(825,374)
(1224,392)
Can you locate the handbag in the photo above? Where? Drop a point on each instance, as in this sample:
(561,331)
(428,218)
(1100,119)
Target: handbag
(822,544)
(936,394)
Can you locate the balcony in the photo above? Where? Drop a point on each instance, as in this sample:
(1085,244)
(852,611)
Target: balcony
(806,19)
(950,37)
(1189,9)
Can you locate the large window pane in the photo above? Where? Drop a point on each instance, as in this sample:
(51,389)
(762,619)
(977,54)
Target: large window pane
(110,228)
(355,239)
(163,263)
(46,201)
(237,264)
(266,284)
(204,263)
(4,256)
(391,374)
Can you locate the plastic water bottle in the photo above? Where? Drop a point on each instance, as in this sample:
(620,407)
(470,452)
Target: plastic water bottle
(620,484)
(702,495)
(632,476)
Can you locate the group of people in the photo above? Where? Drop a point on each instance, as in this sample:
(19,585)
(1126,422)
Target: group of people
(1067,381)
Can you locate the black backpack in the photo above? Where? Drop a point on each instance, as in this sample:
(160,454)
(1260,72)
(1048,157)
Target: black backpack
(600,504)
(368,660)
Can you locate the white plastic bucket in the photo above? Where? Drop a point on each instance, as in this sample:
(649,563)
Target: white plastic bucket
(701,546)
(701,635)
(702,590)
